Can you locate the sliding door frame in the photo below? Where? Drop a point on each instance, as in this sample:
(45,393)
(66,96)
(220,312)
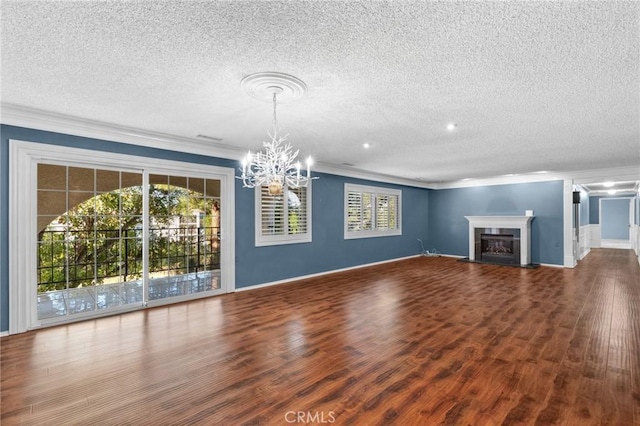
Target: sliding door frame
(24,157)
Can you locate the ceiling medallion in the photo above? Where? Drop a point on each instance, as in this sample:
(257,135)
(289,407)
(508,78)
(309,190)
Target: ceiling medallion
(261,86)
(276,166)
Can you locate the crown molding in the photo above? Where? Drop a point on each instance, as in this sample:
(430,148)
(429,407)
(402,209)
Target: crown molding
(498,180)
(16,115)
(628,173)
(372,176)
(21,116)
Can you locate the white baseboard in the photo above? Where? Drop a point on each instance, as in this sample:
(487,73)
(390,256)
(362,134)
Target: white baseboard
(584,254)
(319,274)
(552,265)
(616,244)
(350,268)
(4,334)
(569,262)
(455,256)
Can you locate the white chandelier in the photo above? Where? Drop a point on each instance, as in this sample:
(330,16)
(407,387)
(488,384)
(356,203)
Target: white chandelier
(277,166)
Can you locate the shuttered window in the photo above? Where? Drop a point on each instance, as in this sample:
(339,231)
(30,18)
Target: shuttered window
(285,218)
(372,211)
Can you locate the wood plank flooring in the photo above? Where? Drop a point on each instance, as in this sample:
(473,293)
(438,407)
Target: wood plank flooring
(415,342)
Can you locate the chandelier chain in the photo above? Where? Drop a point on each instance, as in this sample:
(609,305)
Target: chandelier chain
(275,120)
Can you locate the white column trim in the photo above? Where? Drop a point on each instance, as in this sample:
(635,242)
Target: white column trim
(22,234)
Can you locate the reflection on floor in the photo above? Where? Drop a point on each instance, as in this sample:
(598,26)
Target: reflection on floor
(52,304)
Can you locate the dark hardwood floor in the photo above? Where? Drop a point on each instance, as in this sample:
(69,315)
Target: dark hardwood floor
(420,341)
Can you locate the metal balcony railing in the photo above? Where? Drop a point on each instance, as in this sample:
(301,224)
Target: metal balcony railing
(71,258)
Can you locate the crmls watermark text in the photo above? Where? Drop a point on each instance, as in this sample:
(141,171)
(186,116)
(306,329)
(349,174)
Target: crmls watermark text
(310,417)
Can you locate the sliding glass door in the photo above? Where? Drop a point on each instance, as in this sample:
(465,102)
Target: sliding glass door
(184,236)
(112,238)
(89,239)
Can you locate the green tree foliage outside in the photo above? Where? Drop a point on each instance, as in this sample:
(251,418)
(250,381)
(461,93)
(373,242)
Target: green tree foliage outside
(100,239)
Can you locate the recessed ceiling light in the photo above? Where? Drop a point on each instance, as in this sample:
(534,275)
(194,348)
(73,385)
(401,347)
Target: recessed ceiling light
(609,184)
(465,179)
(611,191)
(541,172)
(366,145)
(451,127)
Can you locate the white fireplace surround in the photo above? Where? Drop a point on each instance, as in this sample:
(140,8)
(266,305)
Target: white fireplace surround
(523,223)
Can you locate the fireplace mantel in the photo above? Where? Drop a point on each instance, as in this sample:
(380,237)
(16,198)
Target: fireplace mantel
(523,223)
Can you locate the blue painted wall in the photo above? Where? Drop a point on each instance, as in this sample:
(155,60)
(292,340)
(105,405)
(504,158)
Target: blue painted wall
(584,208)
(594,210)
(615,213)
(254,265)
(594,207)
(449,230)
(329,249)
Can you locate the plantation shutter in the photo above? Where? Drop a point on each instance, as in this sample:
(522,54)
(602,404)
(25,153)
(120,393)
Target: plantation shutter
(272,213)
(393,211)
(354,211)
(297,211)
(360,211)
(372,211)
(382,216)
(284,218)
(367,211)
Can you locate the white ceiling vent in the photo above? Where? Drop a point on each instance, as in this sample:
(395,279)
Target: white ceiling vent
(211,138)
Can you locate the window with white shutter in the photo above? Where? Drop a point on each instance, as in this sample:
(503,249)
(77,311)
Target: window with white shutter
(284,218)
(372,211)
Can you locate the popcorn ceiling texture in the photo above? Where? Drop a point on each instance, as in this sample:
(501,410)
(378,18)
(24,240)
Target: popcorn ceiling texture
(531,85)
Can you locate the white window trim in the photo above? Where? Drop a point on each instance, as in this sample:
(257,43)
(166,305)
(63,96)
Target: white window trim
(376,190)
(273,240)
(23,159)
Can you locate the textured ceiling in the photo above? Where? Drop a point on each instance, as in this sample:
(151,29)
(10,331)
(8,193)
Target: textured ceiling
(531,85)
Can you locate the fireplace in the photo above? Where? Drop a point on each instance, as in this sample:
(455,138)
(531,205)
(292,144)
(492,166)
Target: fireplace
(500,239)
(498,246)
